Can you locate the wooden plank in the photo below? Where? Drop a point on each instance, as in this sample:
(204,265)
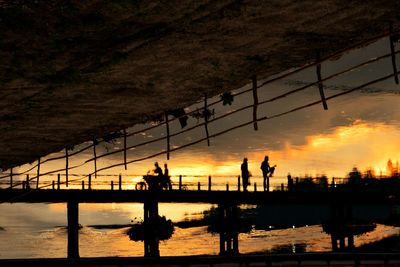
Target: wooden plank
(168,135)
(393,55)
(255,105)
(206,119)
(320,84)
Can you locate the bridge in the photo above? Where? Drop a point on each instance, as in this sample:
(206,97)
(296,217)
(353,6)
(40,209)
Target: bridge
(339,199)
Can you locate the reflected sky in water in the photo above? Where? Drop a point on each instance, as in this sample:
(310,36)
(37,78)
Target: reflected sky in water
(360,129)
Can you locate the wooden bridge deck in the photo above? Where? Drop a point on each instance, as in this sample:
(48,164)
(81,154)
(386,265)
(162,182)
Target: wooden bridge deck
(201,196)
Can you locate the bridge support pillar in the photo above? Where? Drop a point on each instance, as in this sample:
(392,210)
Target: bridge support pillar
(73,229)
(341,227)
(228,229)
(151,219)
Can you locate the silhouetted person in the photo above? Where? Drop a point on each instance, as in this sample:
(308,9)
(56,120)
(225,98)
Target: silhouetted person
(245,174)
(167,180)
(158,170)
(166,172)
(267,172)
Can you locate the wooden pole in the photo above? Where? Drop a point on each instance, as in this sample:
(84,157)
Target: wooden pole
(112,185)
(11,178)
(90,182)
(66,166)
(83,185)
(238,184)
(255,97)
(27,186)
(53,186)
(38,174)
(58,181)
(209,183)
(320,85)
(168,138)
(391,39)
(180,182)
(206,119)
(120,182)
(95,159)
(126,165)
(227,187)
(198,186)
(255,187)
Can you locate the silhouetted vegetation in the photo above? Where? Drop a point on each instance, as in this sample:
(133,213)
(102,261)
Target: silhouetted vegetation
(160,228)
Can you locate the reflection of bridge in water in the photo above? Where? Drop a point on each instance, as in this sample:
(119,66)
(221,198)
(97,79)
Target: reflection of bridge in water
(338,199)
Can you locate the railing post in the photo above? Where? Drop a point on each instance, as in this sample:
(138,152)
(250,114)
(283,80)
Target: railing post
(198,186)
(53,185)
(58,181)
(227,187)
(282,187)
(27,186)
(238,184)
(209,183)
(180,182)
(255,187)
(90,182)
(83,185)
(112,185)
(23,184)
(11,178)
(120,182)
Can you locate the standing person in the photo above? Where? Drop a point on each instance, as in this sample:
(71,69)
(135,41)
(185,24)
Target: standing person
(245,174)
(167,180)
(166,172)
(265,171)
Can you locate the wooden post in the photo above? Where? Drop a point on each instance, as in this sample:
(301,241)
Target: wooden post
(53,185)
(282,187)
(83,185)
(90,182)
(206,119)
(27,186)
(238,187)
(391,39)
(198,186)
(209,183)
(66,166)
(73,229)
(180,182)
(168,137)
(95,159)
(38,174)
(112,185)
(11,178)
(255,97)
(58,181)
(23,184)
(125,164)
(320,85)
(120,182)
(255,187)
(227,186)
